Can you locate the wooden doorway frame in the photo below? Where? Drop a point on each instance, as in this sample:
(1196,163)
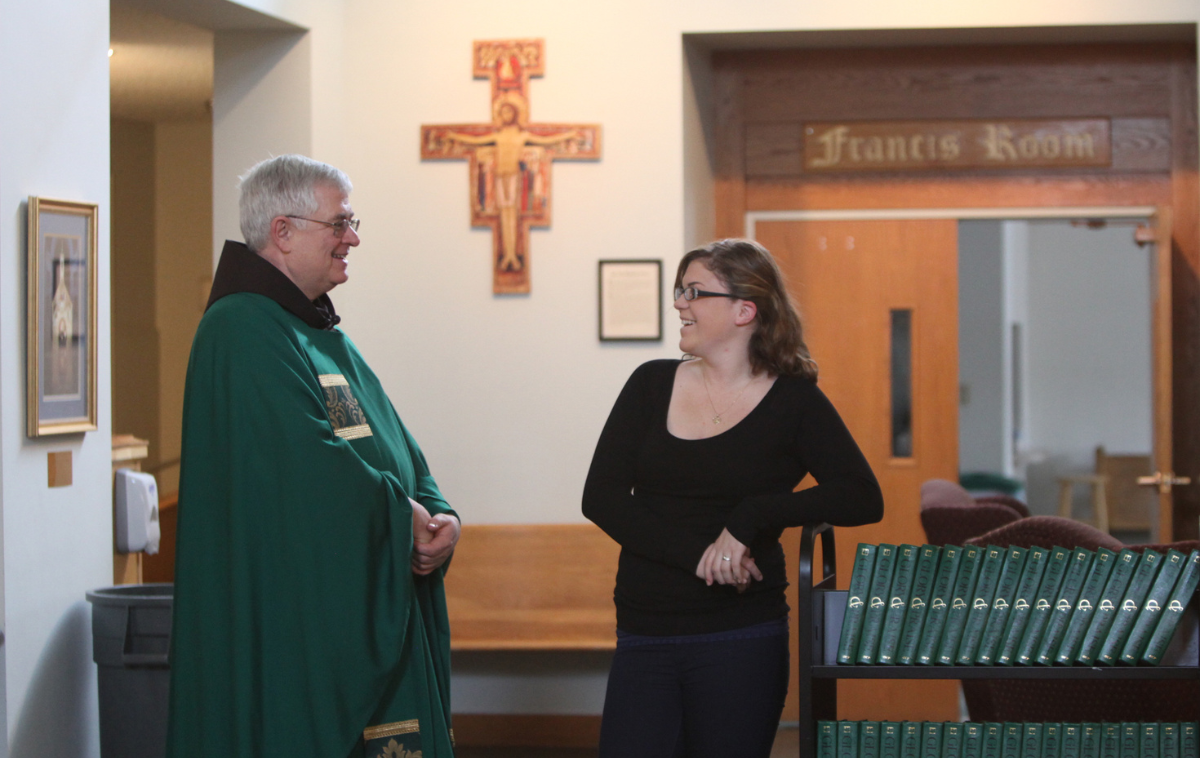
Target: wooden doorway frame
(1161,323)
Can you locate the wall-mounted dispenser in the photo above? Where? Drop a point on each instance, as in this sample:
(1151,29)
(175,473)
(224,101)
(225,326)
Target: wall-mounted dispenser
(137,512)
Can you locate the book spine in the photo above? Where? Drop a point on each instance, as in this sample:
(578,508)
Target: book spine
(914,620)
(935,617)
(1127,611)
(1072,739)
(1089,741)
(1110,740)
(1150,745)
(826,739)
(860,581)
(1052,740)
(1031,741)
(972,740)
(1010,745)
(1006,587)
(1018,611)
(995,563)
(1172,614)
(868,739)
(893,621)
(1189,739)
(1106,609)
(889,739)
(952,739)
(1169,734)
(1072,639)
(1152,610)
(1129,739)
(960,602)
(847,741)
(931,739)
(910,739)
(1039,613)
(1084,564)
(881,584)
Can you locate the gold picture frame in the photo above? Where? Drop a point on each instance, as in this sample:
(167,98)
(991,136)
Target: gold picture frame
(60,334)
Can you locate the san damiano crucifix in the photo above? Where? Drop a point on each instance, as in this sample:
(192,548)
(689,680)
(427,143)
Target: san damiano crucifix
(510,158)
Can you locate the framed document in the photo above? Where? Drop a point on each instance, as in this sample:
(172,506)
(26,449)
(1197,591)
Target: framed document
(630,300)
(60,333)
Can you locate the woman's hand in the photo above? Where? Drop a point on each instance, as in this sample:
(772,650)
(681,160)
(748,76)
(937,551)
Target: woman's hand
(434,538)
(728,561)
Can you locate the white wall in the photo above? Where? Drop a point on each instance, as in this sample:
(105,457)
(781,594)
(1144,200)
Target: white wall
(983,404)
(57,542)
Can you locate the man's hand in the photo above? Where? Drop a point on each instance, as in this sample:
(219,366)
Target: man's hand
(434,538)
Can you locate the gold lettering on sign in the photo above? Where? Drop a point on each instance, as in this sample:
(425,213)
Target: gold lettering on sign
(957,145)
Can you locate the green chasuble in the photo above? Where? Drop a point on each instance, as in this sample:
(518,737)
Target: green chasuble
(299,625)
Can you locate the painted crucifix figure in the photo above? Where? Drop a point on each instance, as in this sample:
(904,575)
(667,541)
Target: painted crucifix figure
(510,158)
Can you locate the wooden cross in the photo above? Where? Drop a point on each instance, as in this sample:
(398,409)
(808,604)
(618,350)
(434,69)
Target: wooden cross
(510,158)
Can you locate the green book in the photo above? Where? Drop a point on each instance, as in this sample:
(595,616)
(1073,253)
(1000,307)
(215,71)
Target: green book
(1189,740)
(860,583)
(1172,614)
(993,739)
(1006,588)
(1169,736)
(972,746)
(1079,588)
(1130,739)
(889,739)
(1150,745)
(1085,609)
(868,739)
(847,739)
(1051,740)
(952,739)
(1152,610)
(1127,610)
(1072,741)
(960,603)
(935,616)
(1039,612)
(1024,597)
(914,620)
(1110,740)
(826,739)
(1010,744)
(1089,741)
(931,739)
(893,620)
(1031,740)
(1106,609)
(910,739)
(877,597)
(995,562)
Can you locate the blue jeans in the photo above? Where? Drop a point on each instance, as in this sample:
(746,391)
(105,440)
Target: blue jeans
(696,696)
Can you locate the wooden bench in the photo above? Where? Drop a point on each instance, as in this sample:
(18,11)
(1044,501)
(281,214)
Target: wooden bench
(532,587)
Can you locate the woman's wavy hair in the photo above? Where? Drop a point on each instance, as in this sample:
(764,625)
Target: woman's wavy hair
(748,270)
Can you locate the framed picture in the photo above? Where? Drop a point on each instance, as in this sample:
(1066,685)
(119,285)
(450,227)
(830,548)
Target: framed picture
(631,300)
(61,318)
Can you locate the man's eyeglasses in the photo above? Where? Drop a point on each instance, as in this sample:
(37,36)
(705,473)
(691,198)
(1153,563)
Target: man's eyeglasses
(691,293)
(339,227)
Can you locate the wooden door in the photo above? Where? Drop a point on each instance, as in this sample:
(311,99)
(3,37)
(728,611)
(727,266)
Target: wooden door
(1162,372)
(854,282)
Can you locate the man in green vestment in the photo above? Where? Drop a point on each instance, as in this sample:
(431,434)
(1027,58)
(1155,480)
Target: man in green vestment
(310,616)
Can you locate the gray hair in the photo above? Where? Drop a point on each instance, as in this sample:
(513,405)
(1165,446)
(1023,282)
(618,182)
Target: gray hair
(282,186)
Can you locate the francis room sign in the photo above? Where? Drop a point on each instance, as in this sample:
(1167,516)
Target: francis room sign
(838,147)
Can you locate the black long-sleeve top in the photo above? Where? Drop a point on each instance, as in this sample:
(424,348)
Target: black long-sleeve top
(666,499)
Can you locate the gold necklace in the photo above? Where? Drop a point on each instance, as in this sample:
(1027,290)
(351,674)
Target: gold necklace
(717,418)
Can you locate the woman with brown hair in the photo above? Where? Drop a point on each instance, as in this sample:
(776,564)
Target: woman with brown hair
(694,476)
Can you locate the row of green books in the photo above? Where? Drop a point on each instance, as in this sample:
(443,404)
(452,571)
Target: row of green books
(973,739)
(1002,606)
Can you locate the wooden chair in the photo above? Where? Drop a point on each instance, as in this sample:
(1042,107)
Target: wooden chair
(1130,505)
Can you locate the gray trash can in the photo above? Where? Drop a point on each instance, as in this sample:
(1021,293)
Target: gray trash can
(131,635)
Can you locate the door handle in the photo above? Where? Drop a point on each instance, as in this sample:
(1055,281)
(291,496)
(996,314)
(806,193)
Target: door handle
(1163,481)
